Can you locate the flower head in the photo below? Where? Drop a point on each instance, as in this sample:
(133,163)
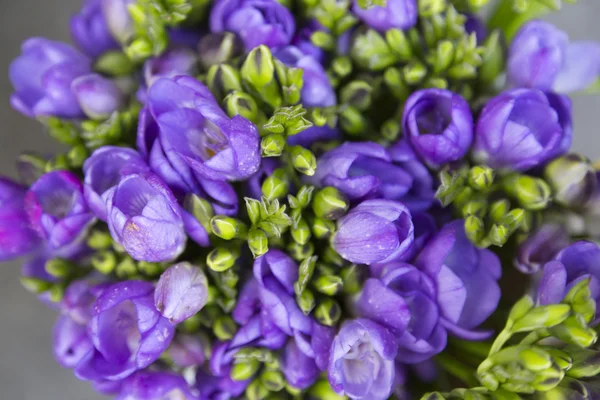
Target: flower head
(439,126)
(89,30)
(144,217)
(375,231)
(523,128)
(98,97)
(155,385)
(42,77)
(396,14)
(58,212)
(541,57)
(362,361)
(257,22)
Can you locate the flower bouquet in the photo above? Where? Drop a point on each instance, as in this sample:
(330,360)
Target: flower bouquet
(312,199)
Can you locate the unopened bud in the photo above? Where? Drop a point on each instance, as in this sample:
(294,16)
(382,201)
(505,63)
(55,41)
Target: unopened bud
(220,47)
(223,79)
(58,267)
(323,228)
(572,179)
(532,193)
(240,103)
(301,232)
(104,261)
(329,285)
(272,145)
(306,301)
(481,177)
(258,242)
(224,328)
(328,312)
(303,160)
(330,204)
(221,259)
(244,369)
(259,68)
(275,186)
(542,317)
(227,228)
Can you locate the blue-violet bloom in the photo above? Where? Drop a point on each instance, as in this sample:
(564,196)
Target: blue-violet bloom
(89,30)
(396,14)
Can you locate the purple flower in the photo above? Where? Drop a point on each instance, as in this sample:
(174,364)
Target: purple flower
(90,31)
(523,128)
(257,22)
(540,248)
(541,57)
(42,77)
(17,236)
(98,97)
(375,231)
(439,126)
(173,62)
(188,350)
(362,361)
(302,40)
(466,280)
(195,132)
(474,24)
(317,90)
(299,370)
(118,18)
(103,170)
(181,292)
(155,385)
(58,212)
(127,331)
(399,14)
(144,217)
(574,263)
(421,194)
(362,170)
(404,301)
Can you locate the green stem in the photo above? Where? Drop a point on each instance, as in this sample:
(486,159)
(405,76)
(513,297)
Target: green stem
(502,338)
(479,349)
(457,369)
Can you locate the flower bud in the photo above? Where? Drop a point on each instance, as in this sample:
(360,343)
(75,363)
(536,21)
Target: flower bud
(520,309)
(218,48)
(474,228)
(574,330)
(240,103)
(273,380)
(58,268)
(548,379)
(476,207)
(35,285)
(542,317)
(329,285)
(328,312)
(300,251)
(532,193)
(499,234)
(481,177)
(275,186)
(258,242)
(272,145)
(181,292)
(227,228)
(572,179)
(200,208)
(223,79)
(301,232)
(303,160)
(586,363)
(221,259)
(244,369)
(535,359)
(105,261)
(306,301)
(323,228)
(329,203)
(224,328)
(99,240)
(499,209)
(258,68)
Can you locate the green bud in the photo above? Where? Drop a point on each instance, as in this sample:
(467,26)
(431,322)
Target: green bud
(492,58)
(272,145)
(353,121)
(328,312)
(253,207)
(224,328)
(414,73)
(323,40)
(99,240)
(474,228)
(476,207)
(428,8)
(586,363)
(104,261)
(58,162)
(303,160)
(342,66)
(351,276)
(240,103)
(57,292)
(391,130)
(243,370)
(305,272)
(273,380)
(330,204)
(444,56)
(150,268)
(139,49)
(77,155)
(399,44)
(532,193)
(306,301)
(200,208)
(433,396)
(228,228)
(548,379)
(499,209)
(256,391)
(35,285)
(332,257)
(542,317)
(575,330)
(218,48)
(300,251)
(58,267)
(520,309)
(126,269)
(358,94)
(572,179)
(114,63)
(481,177)
(395,82)
(301,232)
(371,51)
(328,285)
(535,359)
(223,79)
(258,242)
(323,228)
(275,186)
(513,219)
(322,390)
(221,259)
(258,68)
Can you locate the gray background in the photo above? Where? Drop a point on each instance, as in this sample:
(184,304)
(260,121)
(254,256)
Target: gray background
(27,369)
